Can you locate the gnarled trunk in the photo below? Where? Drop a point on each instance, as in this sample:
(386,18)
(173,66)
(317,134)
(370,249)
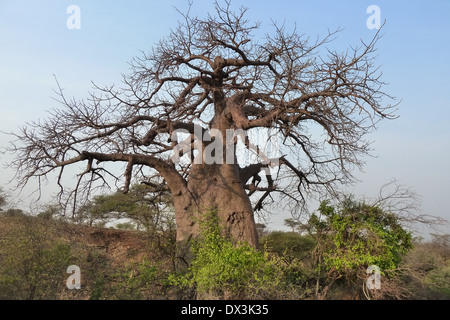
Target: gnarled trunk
(214,184)
(218,188)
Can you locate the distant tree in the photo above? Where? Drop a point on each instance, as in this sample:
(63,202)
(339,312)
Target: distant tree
(126,226)
(3,200)
(292,223)
(289,245)
(187,102)
(12,212)
(149,209)
(50,211)
(261,229)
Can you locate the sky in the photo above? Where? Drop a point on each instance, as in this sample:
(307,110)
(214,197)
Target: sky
(44,39)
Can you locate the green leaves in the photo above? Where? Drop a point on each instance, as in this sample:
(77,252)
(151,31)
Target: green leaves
(32,261)
(221,268)
(352,235)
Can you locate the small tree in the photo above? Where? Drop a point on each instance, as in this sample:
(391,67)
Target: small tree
(292,223)
(147,206)
(149,209)
(352,236)
(50,211)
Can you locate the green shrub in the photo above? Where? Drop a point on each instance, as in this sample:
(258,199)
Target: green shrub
(138,280)
(355,235)
(351,236)
(289,245)
(438,282)
(221,269)
(32,263)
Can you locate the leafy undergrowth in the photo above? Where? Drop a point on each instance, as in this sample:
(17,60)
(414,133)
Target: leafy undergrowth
(119,264)
(114,264)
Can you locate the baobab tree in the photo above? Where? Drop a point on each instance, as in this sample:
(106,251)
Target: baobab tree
(211,82)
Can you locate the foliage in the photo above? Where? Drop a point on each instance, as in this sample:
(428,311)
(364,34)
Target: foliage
(139,280)
(32,262)
(222,269)
(425,271)
(438,281)
(148,209)
(354,235)
(330,262)
(293,253)
(289,245)
(135,280)
(36,251)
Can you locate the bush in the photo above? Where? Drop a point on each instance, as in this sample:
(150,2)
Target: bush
(289,245)
(426,272)
(356,235)
(139,280)
(32,263)
(221,269)
(352,236)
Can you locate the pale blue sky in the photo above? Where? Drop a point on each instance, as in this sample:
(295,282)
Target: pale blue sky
(414,53)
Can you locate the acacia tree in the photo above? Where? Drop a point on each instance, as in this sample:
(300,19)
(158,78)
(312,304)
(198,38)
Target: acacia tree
(207,77)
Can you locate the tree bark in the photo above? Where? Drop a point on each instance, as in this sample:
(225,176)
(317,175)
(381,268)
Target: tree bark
(214,188)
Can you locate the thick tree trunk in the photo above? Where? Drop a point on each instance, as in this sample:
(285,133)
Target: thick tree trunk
(218,188)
